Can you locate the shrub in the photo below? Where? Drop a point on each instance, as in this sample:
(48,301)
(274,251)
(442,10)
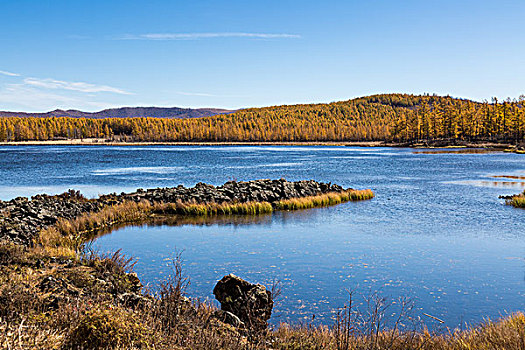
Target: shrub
(11,253)
(108,328)
(517,201)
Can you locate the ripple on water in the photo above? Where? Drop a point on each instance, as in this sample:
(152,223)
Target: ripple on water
(141,170)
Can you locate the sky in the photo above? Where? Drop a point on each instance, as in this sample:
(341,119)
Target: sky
(92,55)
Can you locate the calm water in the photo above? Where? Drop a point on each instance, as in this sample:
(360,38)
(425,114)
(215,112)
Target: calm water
(436,231)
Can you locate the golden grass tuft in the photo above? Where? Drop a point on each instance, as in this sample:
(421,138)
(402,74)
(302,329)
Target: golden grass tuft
(106,327)
(517,201)
(324,200)
(212,209)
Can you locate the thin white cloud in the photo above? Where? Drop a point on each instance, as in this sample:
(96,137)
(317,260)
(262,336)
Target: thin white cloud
(29,98)
(73,86)
(3,72)
(195,36)
(203,94)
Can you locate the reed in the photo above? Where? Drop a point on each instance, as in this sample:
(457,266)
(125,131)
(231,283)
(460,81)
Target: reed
(324,200)
(213,209)
(517,201)
(507,333)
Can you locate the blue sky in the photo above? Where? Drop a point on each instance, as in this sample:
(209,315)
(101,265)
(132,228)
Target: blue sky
(97,54)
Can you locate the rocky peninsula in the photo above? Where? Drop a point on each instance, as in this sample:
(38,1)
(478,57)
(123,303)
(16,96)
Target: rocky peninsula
(21,219)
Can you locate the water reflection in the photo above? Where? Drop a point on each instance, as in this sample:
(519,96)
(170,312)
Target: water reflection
(177,220)
(261,220)
(495,184)
(485,183)
(319,264)
(459,151)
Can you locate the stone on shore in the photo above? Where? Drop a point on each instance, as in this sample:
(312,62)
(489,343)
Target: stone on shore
(252,304)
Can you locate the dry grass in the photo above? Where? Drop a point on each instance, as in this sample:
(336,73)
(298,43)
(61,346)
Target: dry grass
(28,336)
(324,200)
(517,201)
(508,333)
(107,327)
(11,253)
(212,209)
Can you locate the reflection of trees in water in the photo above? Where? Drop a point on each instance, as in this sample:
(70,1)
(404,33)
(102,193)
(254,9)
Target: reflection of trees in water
(517,177)
(512,184)
(459,151)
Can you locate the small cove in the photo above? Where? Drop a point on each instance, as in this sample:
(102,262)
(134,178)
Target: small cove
(436,231)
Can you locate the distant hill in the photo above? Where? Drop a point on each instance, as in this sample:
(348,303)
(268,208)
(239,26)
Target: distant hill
(125,112)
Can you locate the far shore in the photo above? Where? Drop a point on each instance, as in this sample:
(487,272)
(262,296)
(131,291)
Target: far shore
(106,142)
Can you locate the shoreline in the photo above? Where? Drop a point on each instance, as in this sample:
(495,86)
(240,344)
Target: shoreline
(103,142)
(431,144)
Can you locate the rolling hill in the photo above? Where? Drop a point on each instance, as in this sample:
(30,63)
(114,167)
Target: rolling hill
(399,118)
(125,112)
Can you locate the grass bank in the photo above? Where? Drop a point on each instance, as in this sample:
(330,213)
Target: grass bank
(324,200)
(71,234)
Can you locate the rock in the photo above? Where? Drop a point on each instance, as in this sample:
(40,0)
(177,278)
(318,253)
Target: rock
(134,280)
(52,284)
(229,318)
(251,303)
(132,300)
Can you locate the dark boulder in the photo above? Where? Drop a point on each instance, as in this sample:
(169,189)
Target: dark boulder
(251,303)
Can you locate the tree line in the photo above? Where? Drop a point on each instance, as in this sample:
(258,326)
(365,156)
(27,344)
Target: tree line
(388,117)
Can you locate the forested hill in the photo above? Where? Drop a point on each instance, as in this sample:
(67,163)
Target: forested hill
(389,117)
(125,112)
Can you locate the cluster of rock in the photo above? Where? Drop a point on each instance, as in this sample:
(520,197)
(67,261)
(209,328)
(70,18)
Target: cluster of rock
(21,218)
(243,304)
(232,191)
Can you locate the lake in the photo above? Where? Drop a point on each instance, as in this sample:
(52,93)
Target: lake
(435,233)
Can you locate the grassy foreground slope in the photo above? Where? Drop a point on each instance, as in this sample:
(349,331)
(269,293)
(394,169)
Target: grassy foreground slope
(388,117)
